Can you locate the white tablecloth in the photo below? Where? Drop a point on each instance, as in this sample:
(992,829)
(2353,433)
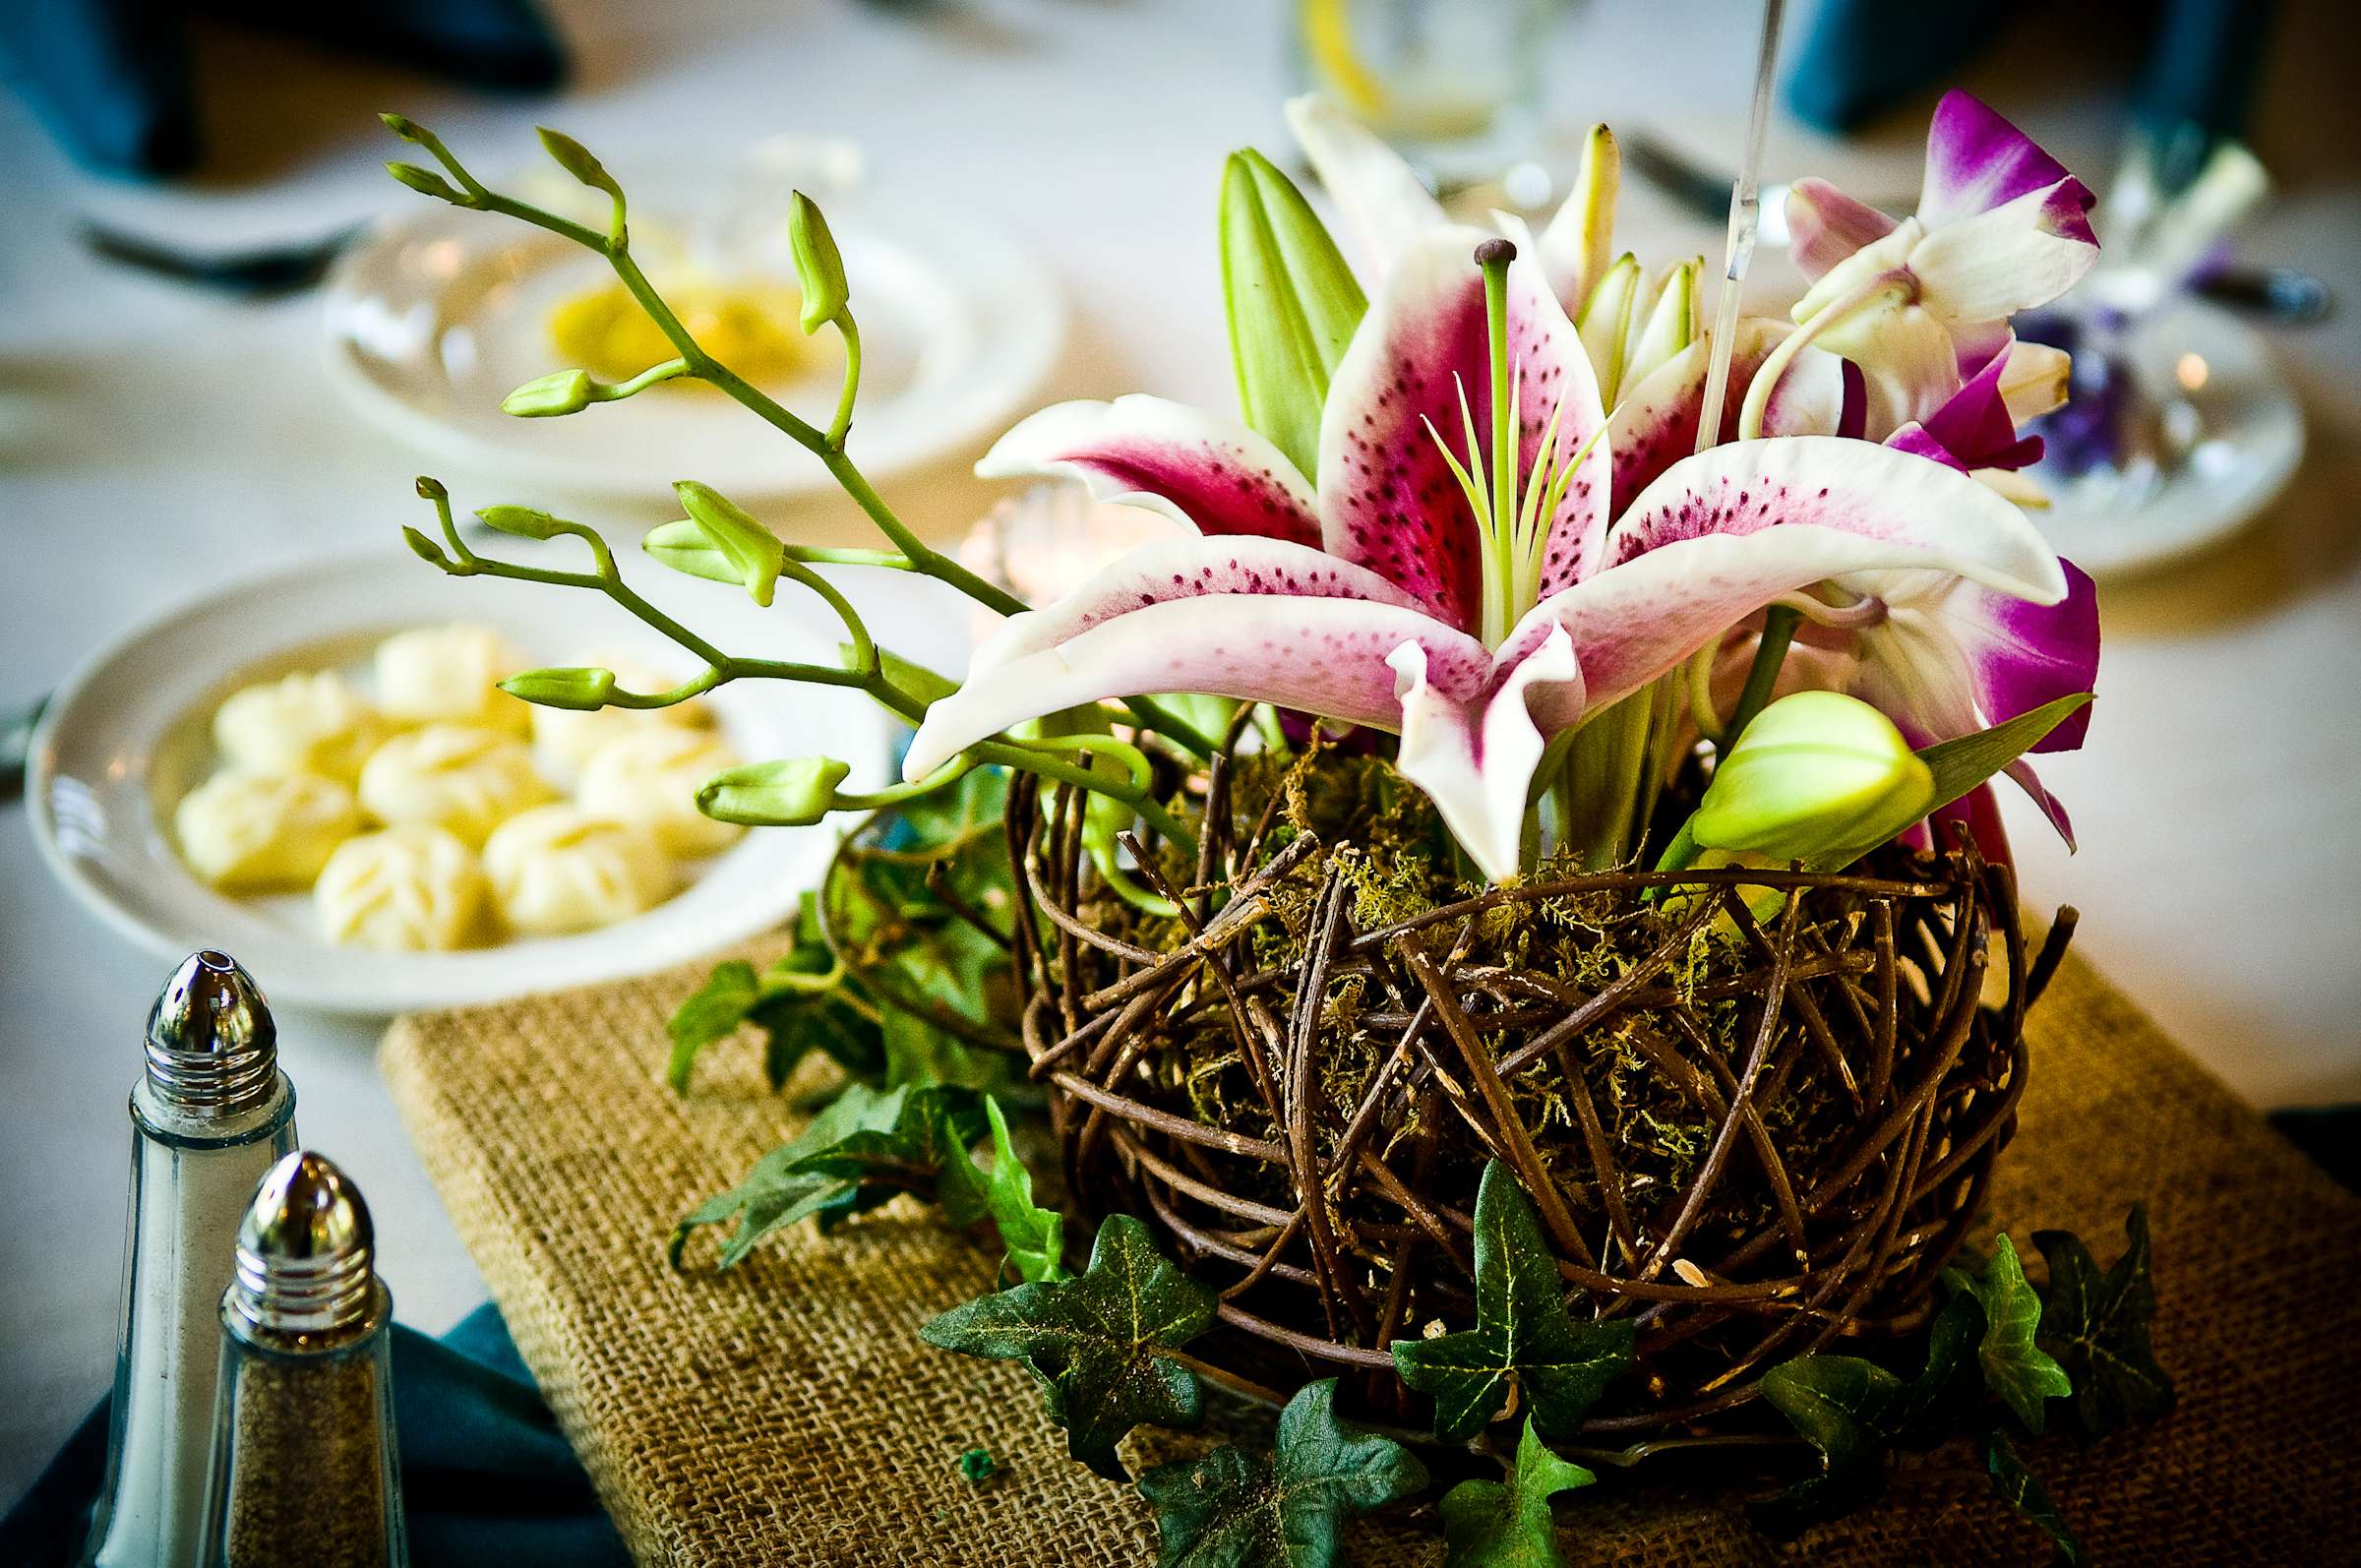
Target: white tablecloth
(156,440)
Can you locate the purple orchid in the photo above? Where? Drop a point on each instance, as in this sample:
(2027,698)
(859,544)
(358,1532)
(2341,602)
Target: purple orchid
(1480,564)
(2000,228)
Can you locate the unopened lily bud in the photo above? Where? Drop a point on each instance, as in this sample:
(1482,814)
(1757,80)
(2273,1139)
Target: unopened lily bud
(583,689)
(561,392)
(753,551)
(818,268)
(1816,774)
(793,791)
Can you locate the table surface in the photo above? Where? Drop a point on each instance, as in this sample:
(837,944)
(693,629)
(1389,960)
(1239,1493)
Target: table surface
(155,441)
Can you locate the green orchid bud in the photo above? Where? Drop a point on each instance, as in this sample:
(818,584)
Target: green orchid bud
(582,689)
(1815,774)
(753,552)
(1292,304)
(426,183)
(684,547)
(576,160)
(927,686)
(425,548)
(818,268)
(561,392)
(523,522)
(793,791)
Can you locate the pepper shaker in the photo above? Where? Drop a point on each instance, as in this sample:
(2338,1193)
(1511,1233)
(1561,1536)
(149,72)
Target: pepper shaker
(303,1457)
(211,1113)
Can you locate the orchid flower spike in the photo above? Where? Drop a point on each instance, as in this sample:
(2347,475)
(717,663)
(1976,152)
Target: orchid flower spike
(1478,569)
(2000,228)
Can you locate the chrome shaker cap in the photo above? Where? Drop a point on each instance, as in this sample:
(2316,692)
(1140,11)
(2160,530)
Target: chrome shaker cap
(211,1047)
(306,1257)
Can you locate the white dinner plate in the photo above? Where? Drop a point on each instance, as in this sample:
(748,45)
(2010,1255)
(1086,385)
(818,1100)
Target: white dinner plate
(438,313)
(129,732)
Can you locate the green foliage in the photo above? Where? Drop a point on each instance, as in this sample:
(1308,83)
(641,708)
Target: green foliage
(800,1004)
(1231,1509)
(2015,1368)
(2021,1491)
(1961,764)
(1293,304)
(1491,1525)
(1524,1336)
(977,1465)
(861,1152)
(2097,1326)
(1099,1345)
(1034,1237)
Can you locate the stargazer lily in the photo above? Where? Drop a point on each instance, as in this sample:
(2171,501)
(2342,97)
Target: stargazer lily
(1470,572)
(2000,227)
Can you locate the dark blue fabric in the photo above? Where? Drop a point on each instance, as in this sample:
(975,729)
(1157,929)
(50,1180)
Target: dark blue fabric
(110,78)
(487,1479)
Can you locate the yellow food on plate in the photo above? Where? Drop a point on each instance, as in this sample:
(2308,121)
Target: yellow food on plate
(564,739)
(450,674)
(753,328)
(406,889)
(651,779)
(555,870)
(452,777)
(304,723)
(258,833)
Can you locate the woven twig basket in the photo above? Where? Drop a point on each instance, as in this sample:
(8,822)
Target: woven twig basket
(1848,1081)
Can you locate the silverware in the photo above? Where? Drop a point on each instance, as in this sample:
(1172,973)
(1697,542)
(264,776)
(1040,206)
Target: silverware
(257,272)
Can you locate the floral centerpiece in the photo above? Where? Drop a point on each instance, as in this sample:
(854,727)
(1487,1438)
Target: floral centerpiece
(1504,915)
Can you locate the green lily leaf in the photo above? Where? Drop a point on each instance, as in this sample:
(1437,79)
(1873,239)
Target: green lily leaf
(2016,1368)
(1035,1236)
(1489,1525)
(1099,1345)
(1292,304)
(1231,1509)
(862,1150)
(754,553)
(1961,764)
(2096,1325)
(1522,1335)
(2021,1491)
(1846,1407)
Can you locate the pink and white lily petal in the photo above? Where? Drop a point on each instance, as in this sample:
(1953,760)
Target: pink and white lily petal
(1326,657)
(1977,160)
(1655,426)
(1185,568)
(1825,226)
(1381,197)
(1213,474)
(1475,755)
(1389,500)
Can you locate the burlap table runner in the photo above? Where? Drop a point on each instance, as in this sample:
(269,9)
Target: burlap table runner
(787,1412)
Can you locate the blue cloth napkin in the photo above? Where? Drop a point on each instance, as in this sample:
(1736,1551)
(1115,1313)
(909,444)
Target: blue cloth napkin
(487,1479)
(111,80)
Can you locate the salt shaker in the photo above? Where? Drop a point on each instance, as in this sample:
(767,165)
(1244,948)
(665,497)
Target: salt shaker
(211,1113)
(303,1457)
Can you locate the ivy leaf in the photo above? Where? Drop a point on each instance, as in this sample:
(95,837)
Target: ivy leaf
(713,1011)
(2097,1326)
(2016,1368)
(858,1154)
(1035,1236)
(1099,1345)
(796,1010)
(2019,1488)
(1524,1336)
(1847,1408)
(1489,1525)
(1231,1509)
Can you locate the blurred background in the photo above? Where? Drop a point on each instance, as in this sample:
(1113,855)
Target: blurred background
(228,342)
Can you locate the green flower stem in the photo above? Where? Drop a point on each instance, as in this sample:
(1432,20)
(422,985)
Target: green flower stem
(616,393)
(1779,630)
(950,773)
(1009,755)
(850,330)
(844,556)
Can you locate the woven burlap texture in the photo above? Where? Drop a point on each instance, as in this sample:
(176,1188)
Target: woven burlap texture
(788,1412)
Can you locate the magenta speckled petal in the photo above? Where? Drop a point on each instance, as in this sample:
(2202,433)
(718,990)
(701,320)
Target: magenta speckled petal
(1213,474)
(1388,499)
(1655,426)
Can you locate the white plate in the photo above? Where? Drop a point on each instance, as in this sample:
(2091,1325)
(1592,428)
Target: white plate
(129,732)
(2250,436)
(439,312)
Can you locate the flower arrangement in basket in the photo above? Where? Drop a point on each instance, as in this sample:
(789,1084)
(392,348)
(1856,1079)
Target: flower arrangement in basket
(1505,918)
